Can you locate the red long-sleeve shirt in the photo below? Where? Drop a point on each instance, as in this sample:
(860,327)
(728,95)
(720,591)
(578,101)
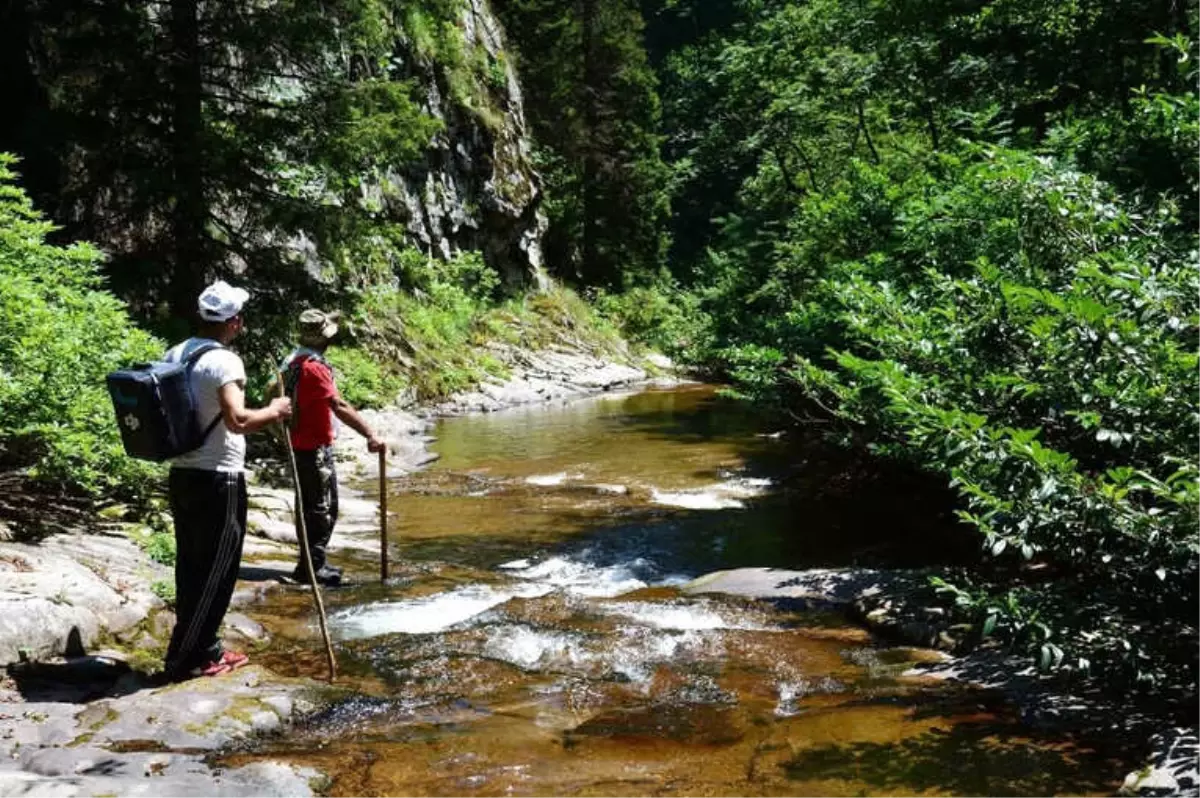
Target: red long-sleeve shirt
(312,407)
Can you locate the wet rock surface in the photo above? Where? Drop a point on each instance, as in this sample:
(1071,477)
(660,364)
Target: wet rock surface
(1172,770)
(59,737)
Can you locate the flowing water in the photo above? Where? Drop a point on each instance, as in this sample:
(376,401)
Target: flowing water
(535,640)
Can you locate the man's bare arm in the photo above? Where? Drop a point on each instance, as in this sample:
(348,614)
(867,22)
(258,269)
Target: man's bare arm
(353,419)
(243,420)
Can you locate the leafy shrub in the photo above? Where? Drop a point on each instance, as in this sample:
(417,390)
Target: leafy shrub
(160,547)
(165,590)
(428,326)
(60,334)
(361,380)
(664,318)
(560,316)
(1020,328)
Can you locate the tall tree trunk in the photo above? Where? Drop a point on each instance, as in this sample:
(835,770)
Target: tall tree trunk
(1182,24)
(30,130)
(590,96)
(189,263)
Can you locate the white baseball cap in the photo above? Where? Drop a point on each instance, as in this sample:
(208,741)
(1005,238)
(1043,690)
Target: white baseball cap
(221,301)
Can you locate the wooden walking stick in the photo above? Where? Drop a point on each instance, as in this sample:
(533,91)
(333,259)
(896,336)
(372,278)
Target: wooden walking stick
(383,542)
(312,575)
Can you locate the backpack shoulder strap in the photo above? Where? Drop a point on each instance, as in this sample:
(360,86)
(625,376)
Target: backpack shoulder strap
(296,366)
(211,426)
(189,363)
(198,352)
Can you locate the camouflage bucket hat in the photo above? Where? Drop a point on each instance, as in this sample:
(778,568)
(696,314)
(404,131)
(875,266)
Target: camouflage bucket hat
(317,327)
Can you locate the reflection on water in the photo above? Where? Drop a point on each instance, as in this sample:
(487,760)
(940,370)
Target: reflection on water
(535,640)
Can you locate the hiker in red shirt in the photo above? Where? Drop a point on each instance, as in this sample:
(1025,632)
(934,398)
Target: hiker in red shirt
(308,379)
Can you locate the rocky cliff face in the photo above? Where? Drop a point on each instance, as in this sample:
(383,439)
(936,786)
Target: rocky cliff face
(476,188)
(265,155)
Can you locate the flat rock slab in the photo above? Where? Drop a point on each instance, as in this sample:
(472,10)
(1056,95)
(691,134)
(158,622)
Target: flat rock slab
(90,771)
(199,714)
(407,439)
(273,530)
(114,744)
(542,376)
(830,585)
(57,595)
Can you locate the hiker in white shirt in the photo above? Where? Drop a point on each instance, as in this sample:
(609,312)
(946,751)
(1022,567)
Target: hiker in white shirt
(207,488)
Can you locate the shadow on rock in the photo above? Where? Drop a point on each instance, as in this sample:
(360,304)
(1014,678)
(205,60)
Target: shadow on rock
(78,680)
(258,573)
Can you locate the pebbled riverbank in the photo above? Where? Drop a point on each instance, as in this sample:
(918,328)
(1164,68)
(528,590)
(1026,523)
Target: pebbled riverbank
(81,623)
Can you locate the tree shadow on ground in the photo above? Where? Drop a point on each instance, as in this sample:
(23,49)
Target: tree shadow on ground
(31,511)
(968,759)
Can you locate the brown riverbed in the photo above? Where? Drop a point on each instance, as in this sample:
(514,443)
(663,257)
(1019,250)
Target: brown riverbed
(534,640)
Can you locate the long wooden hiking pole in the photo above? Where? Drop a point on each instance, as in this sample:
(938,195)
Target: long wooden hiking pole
(312,575)
(383,543)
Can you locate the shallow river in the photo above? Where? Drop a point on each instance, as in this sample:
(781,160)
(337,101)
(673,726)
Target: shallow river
(534,639)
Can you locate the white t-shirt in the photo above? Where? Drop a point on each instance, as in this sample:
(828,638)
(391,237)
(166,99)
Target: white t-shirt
(222,450)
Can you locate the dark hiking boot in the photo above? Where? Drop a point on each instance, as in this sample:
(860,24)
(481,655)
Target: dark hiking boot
(328,575)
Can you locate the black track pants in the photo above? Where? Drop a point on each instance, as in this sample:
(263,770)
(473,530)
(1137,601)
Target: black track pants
(319,490)
(209,510)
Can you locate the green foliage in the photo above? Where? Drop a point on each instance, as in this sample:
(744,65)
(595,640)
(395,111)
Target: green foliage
(978,260)
(433,336)
(555,317)
(165,590)
(1047,366)
(428,327)
(361,379)
(60,334)
(591,98)
(1057,389)
(259,156)
(664,318)
(160,547)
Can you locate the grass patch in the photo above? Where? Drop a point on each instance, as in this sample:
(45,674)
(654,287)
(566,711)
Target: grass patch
(160,547)
(435,339)
(165,590)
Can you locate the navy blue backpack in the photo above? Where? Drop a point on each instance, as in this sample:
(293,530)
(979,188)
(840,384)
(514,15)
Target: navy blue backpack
(156,411)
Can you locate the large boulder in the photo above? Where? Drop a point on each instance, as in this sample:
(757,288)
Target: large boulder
(57,596)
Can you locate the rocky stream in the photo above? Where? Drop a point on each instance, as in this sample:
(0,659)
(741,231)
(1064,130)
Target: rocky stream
(607,595)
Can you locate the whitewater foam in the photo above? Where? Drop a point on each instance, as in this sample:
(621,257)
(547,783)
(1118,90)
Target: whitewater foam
(427,614)
(721,496)
(582,579)
(688,617)
(550,480)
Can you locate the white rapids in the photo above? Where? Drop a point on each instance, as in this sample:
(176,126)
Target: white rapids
(721,496)
(436,613)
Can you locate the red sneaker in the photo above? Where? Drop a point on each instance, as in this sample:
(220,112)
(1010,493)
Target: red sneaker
(233,659)
(214,668)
